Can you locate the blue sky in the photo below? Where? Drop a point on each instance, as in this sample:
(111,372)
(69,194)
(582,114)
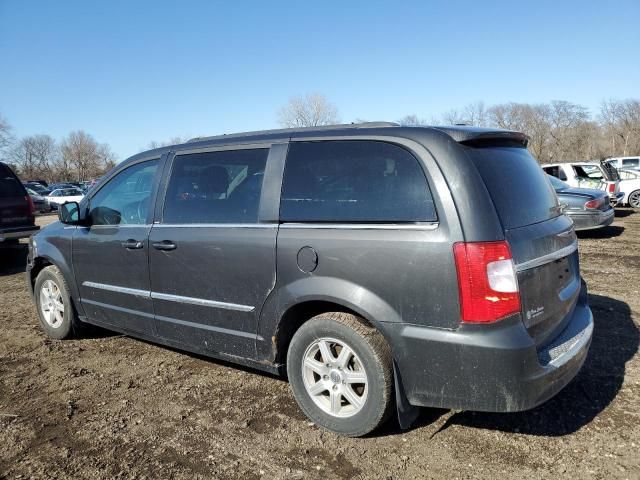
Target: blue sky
(132,72)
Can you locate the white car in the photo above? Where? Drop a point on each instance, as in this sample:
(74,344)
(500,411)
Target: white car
(589,175)
(64,195)
(624,162)
(630,185)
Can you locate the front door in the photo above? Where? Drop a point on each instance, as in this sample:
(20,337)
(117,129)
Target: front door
(212,262)
(110,256)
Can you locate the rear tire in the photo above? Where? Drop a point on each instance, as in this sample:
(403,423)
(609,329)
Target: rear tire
(55,309)
(634,199)
(341,373)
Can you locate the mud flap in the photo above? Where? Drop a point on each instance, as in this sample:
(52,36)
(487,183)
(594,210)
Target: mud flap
(407,413)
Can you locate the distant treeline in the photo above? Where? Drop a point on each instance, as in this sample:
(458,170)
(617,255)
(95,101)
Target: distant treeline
(76,157)
(559,131)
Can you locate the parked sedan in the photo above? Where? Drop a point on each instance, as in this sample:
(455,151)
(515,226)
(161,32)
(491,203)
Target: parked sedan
(587,207)
(64,195)
(601,176)
(630,184)
(39,201)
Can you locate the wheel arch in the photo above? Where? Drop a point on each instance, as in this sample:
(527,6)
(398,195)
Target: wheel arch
(628,202)
(297,315)
(40,262)
(291,306)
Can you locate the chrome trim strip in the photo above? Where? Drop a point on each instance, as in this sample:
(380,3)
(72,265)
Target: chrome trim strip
(584,339)
(111,227)
(119,309)
(536,262)
(228,331)
(362,226)
(115,288)
(201,302)
(171,298)
(215,225)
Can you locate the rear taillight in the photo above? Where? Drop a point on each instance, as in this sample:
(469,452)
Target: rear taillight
(32,208)
(611,188)
(595,203)
(487,281)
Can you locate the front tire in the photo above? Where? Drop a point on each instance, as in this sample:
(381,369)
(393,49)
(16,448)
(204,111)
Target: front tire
(340,371)
(55,311)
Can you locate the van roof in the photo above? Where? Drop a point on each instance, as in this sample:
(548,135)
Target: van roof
(463,134)
(459,133)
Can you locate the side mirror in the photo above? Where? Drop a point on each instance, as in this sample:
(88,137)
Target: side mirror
(105,216)
(69,213)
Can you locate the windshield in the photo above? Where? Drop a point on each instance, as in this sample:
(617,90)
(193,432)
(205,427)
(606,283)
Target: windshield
(557,183)
(588,171)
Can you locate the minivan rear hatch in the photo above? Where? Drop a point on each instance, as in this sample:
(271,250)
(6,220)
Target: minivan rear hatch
(542,240)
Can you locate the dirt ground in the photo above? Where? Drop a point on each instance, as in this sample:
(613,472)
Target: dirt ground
(114,407)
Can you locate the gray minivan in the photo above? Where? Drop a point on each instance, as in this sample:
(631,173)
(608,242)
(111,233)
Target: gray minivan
(381,268)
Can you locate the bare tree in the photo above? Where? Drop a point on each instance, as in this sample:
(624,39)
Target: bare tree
(172,141)
(34,156)
(412,121)
(6,139)
(452,117)
(310,110)
(475,114)
(82,157)
(621,119)
(107,159)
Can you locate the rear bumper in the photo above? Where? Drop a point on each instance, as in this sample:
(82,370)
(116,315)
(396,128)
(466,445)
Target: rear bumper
(617,199)
(17,232)
(591,220)
(489,368)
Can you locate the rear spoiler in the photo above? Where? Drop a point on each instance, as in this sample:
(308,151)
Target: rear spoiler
(485,137)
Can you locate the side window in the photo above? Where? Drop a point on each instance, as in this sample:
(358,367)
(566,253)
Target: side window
(631,162)
(126,198)
(556,171)
(215,187)
(561,174)
(354,181)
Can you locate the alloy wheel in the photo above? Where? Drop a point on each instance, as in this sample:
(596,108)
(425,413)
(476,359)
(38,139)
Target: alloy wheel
(334,377)
(51,303)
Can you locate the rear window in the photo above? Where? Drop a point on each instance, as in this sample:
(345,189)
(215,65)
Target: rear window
(10,186)
(354,181)
(519,188)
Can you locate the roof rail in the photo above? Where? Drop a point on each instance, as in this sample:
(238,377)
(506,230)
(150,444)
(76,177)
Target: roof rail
(297,129)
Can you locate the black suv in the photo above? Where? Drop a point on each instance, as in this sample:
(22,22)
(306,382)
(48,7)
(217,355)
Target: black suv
(379,267)
(16,208)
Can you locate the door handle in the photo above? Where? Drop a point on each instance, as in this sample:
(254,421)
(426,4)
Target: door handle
(164,245)
(132,244)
